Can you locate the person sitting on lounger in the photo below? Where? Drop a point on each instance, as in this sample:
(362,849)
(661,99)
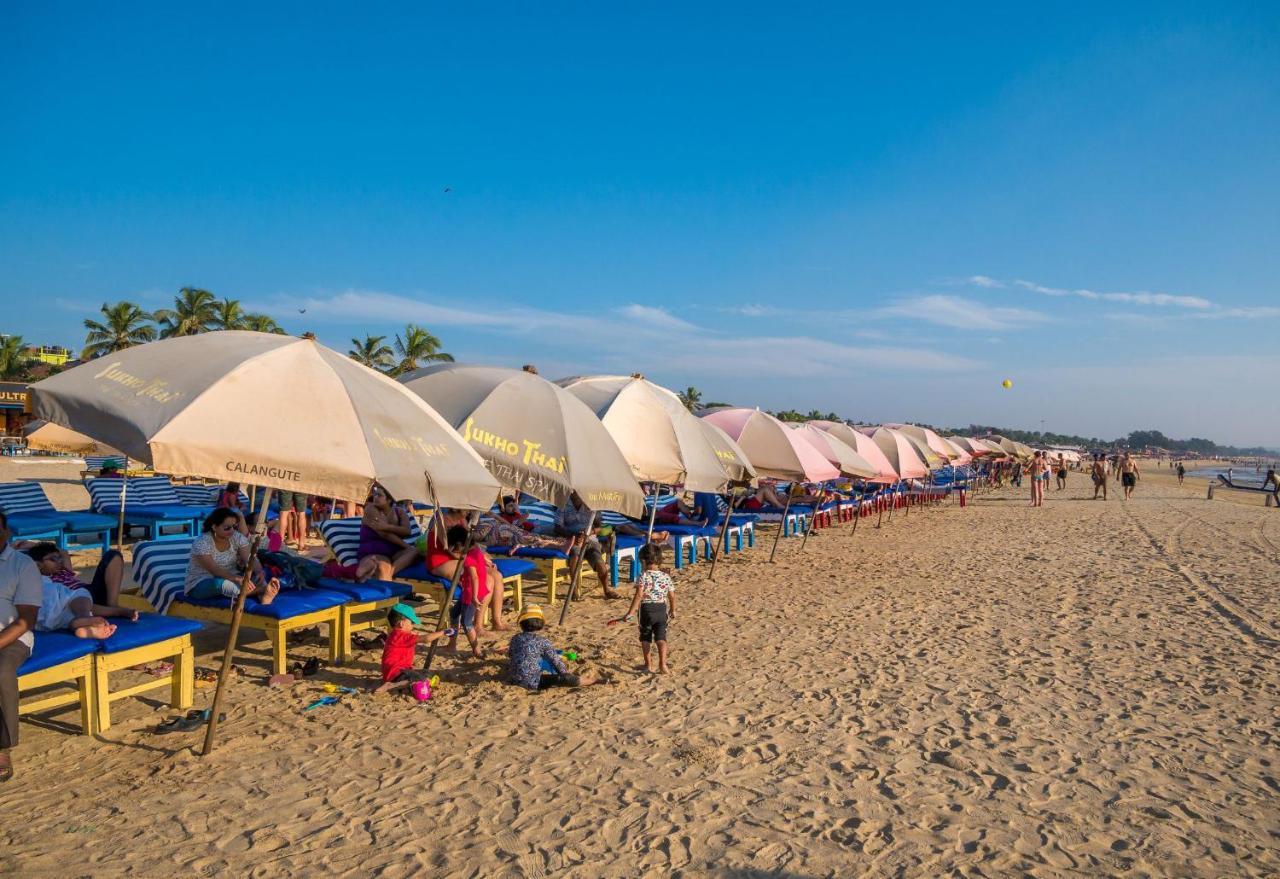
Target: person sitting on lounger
(512,515)
(20,595)
(385,528)
(219,556)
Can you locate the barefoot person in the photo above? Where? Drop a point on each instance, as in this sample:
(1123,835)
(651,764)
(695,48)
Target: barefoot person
(400,648)
(573,520)
(20,595)
(107,576)
(67,603)
(1182,472)
(1128,474)
(1099,473)
(655,600)
(1061,467)
(1039,471)
(219,556)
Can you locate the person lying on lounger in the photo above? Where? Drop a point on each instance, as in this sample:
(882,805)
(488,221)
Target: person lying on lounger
(66,603)
(105,586)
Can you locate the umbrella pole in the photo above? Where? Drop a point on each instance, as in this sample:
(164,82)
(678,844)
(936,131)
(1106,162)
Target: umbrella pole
(448,595)
(724,535)
(653,512)
(577,568)
(857,513)
(813,521)
(124,488)
(237,611)
(782,526)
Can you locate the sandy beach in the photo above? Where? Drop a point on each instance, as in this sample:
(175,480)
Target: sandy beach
(1084,689)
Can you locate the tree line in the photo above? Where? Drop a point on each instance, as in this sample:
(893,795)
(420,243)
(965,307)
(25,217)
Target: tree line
(121,325)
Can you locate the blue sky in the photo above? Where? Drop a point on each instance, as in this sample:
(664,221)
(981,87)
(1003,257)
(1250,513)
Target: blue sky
(881,214)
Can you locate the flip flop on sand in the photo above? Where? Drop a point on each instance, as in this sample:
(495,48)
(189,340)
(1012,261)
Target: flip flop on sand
(194,719)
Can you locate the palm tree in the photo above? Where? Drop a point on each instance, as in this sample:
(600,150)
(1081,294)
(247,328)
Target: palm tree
(228,315)
(371,352)
(415,346)
(123,325)
(14,359)
(194,311)
(261,323)
(691,397)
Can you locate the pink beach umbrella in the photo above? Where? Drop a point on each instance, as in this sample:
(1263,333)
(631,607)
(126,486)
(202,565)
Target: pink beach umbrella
(838,453)
(864,446)
(901,453)
(773,450)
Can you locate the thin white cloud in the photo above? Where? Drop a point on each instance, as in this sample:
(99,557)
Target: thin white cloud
(655,317)
(984,281)
(960,313)
(1141,297)
(601,342)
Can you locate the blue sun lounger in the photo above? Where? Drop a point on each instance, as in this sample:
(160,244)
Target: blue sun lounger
(150,502)
(160,570)
(61,657)
(33,517)
(343,539)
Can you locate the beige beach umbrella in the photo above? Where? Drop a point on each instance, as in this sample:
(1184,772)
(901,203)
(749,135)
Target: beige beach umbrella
(534,435)
(270,410)
(728,452)
(837,452)
(274,410)
(1013,448)
(939,447)
(931,459)
(44,436)
(902,454)
(864,446)
(662,440)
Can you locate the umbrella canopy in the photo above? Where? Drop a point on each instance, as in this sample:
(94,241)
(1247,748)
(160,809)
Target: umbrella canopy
(902,455)
(931,459)
(729,453)
(936,444)
(863,445)
(270,410)
(772,449)
(661,439)
(44,436)
(973,447)
(534,435)
(849,462)
(1012,448)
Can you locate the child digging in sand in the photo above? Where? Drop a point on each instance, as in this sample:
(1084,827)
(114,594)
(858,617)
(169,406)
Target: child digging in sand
(399,649)
(534,663)
(66,602)
(655,599)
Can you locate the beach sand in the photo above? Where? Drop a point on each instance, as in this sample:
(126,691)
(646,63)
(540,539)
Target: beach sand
(1085,689)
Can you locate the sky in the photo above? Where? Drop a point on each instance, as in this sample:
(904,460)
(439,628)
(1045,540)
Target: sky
(878,213)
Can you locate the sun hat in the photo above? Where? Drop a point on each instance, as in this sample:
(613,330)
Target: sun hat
(407,612)
(532,612)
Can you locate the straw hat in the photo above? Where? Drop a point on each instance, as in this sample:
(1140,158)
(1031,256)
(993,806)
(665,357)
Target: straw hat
(532,612)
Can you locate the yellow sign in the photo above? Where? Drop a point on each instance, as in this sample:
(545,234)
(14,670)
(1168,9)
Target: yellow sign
(526,451)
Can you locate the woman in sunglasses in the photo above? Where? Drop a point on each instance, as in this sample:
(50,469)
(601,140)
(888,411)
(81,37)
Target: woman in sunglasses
(219,558)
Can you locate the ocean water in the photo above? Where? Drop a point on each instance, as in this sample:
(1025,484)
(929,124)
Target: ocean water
(1242,476)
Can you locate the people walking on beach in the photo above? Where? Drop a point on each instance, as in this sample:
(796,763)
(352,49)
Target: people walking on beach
(1272,480)
(1062,471)
(1099,474)
(1039,473)
(1182,471)
(20,595)
(1128,474)
(655,601)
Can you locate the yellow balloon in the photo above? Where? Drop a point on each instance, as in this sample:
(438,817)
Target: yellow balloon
(1007,383)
